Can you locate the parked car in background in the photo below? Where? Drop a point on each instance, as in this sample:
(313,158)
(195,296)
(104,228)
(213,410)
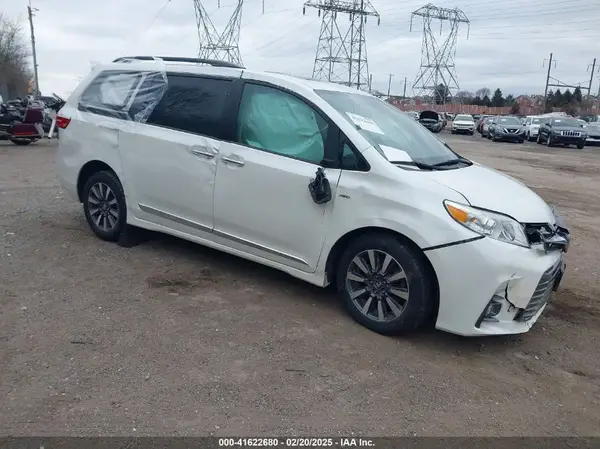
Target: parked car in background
(485,126)
(593,134)
(463,123)
(532,126)
(591,118)
(562,131)
(412,114)
(431,120)
(506,128)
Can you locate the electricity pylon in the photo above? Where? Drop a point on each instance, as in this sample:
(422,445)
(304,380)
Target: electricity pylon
(214,45)
(342,52)
(437,59)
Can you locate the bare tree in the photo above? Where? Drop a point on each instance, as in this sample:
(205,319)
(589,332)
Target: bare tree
(15,71)
(464,96)
(483,92)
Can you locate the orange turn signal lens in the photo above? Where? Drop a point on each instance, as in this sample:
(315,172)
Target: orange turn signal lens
(458,214)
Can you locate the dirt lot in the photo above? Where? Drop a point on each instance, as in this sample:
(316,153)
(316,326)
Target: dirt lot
(169,338)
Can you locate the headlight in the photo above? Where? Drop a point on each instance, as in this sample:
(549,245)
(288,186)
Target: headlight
(490,224)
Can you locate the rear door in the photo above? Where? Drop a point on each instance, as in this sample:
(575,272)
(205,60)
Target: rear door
(170,161)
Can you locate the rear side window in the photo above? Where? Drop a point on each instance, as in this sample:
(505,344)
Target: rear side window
(193,104)
(109,93)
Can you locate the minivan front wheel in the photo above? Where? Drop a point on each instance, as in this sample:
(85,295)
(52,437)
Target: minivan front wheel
(385,284)
(104,205)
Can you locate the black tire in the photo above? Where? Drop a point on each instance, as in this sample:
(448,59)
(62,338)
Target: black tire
(421,291)
(96,181)
(580,146)
(21,143)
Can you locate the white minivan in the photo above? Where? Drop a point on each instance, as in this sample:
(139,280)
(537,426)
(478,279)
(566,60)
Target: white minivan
(324,182)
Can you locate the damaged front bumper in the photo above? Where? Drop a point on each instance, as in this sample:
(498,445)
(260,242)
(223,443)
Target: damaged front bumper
(489,287)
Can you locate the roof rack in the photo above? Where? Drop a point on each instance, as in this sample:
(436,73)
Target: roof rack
(213,62)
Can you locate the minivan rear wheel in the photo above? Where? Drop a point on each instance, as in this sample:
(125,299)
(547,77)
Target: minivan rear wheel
(104,205)
(385,284)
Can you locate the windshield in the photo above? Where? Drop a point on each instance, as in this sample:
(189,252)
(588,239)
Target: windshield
(536,121)
(566,122)
(464,118)
(384,125)
(508,121)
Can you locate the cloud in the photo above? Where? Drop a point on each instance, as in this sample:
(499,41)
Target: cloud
(507,44)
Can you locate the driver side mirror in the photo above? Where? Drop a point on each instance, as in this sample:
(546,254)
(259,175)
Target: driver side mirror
(319,187)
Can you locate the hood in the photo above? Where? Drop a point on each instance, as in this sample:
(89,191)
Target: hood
(489,189)
(464,122)
(429,115)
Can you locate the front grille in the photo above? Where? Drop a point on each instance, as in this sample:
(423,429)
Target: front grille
(512,130)
(541,294)
(570,133)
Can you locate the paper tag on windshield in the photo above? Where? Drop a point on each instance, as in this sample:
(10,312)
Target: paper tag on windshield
(365,123)
(395,154)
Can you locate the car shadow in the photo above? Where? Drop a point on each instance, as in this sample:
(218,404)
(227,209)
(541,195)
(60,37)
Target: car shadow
(427,338)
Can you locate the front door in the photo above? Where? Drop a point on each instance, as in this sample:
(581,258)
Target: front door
(262,202)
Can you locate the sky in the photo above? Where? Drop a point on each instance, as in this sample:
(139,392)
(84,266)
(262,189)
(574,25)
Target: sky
(507,45)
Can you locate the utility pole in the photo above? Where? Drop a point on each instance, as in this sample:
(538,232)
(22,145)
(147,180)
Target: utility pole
(370,82)
(404,94)
(390,85)
(591,79)
(547,82)
(36,81)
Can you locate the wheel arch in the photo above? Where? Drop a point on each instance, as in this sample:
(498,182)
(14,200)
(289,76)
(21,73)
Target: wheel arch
(342,243)
(88,170)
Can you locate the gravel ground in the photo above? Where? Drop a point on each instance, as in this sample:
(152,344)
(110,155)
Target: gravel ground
(169,338)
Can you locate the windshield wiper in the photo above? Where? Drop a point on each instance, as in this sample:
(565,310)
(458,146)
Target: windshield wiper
(452,162)
(421,165)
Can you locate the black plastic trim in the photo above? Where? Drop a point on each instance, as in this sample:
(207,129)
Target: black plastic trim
(460,242)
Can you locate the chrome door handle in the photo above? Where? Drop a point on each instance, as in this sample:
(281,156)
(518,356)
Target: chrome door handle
(232,161)
(204,153)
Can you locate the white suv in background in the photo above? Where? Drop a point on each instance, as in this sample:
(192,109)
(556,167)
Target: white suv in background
(532,127)
(463,123)
(324,182)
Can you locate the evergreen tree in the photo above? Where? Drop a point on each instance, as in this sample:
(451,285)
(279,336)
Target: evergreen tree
(549,101)
(485,101)
(568,96)
(559,99)
(509,100)
(476,101)
(498,99)
(577,95)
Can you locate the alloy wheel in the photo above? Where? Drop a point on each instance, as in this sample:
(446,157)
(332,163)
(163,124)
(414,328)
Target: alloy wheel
(103,207)
(377,285)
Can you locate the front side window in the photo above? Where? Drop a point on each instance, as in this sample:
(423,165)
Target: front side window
(275,121)
(386,127)
(193,104)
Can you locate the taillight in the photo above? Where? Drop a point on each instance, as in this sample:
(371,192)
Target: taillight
(62,122)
